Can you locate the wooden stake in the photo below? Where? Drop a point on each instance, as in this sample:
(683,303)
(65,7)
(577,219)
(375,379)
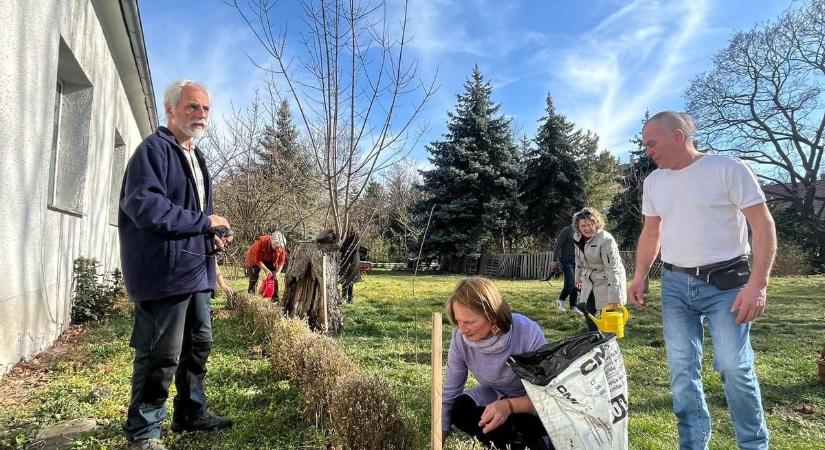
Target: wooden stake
(324,292)
(435,422)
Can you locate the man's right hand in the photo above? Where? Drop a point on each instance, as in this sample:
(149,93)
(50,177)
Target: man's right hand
(636,292)
(554,265)
(218,221)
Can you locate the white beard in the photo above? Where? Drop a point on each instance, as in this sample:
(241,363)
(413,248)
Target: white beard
(191,130)
(195,133)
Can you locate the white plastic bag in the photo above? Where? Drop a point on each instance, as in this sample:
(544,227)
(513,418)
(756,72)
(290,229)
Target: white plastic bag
(579,389)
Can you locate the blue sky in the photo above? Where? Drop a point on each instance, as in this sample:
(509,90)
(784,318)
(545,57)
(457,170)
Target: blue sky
(604,61)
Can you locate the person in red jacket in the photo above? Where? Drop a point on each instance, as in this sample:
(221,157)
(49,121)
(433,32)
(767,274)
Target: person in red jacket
(267,253)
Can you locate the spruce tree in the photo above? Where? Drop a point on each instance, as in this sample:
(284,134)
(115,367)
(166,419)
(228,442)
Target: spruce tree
(601,171)
(625,215)
(554,187)
(280,145)
(474,180)
(288,175)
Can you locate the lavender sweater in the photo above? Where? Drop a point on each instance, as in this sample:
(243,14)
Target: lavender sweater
(495,378)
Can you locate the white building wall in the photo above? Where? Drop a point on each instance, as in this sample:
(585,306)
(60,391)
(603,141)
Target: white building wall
(39,244)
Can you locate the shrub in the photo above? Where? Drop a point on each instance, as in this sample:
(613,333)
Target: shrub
(95,294)
(792,259)
(287,338)
(360,409)
(366,415)
(320,365)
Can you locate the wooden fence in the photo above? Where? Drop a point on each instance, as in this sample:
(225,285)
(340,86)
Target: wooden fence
(525,266)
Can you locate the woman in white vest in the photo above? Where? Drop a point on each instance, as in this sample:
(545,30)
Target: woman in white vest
(600,273)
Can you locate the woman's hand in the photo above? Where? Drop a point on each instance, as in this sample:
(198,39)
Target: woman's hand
(494,415)
(579,285)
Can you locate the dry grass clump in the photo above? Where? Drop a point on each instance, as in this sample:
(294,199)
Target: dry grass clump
(286,340)
(248,306)
(319,367)
(474,445)
(235,298)
(258,313)
(365,415)
(359,408)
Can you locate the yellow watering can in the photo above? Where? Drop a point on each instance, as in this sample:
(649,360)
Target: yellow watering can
(612,320)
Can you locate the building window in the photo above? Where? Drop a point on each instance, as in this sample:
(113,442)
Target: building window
(70,141)
(118,158)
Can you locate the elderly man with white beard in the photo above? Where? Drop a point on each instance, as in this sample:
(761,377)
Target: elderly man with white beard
(168,238)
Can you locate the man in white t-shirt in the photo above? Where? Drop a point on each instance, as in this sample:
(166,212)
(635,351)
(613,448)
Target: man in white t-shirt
(697,208)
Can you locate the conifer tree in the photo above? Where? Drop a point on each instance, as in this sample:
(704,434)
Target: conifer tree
(601,170)
(474,180)
(625,215)
(554,187)
(280,145)
(287,169)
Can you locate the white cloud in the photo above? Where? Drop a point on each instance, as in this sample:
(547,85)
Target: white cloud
(631,60)
(219,61)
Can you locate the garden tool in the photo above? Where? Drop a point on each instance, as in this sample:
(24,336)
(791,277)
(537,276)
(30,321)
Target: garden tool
(611,320)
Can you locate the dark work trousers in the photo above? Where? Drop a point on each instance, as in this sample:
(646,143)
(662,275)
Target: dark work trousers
(590,307)
(254,272)
(346,292)
(568,268)
(172,336)
(519,431)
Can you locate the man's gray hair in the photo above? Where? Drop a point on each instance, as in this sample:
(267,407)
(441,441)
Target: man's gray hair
(675,121)
(172,93)
(277,239)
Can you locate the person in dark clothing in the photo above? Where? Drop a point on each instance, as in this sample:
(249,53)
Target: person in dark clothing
(565,258)
(348,273)
(168,238)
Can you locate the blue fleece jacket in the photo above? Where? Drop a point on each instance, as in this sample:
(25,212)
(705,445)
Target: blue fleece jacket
(164,236)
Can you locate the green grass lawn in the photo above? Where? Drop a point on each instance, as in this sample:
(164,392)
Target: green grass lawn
(387,331)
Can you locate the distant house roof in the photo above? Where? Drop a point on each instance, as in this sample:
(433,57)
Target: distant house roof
(120,20)
(777,194)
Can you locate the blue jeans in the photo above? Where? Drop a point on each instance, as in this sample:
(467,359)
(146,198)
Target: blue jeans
(171,336)
(568,267)
(686,303)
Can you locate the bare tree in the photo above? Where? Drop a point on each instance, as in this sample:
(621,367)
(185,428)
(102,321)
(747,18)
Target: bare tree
(401,192)
(356,93)
(763,102)
(253,187)
(287,166)
(240,191)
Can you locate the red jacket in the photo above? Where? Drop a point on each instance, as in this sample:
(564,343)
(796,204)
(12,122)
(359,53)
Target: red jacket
(261,251)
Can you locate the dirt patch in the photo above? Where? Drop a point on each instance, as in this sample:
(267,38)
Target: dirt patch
(26,376)
(801,413)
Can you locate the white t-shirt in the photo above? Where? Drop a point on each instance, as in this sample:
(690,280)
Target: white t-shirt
(700,209)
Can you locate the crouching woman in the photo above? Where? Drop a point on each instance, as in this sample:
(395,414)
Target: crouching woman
(497,411)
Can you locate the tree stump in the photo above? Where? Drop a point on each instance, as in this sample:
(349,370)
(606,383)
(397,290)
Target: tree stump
(303,294)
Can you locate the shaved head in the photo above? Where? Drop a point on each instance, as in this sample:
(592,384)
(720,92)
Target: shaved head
(667,138)
(672,120)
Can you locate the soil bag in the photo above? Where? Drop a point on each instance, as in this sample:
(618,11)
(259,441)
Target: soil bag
(579,389)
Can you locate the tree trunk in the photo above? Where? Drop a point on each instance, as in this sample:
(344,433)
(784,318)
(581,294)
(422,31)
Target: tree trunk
(303,295)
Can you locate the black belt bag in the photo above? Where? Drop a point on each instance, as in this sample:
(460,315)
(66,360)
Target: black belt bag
(724,275)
